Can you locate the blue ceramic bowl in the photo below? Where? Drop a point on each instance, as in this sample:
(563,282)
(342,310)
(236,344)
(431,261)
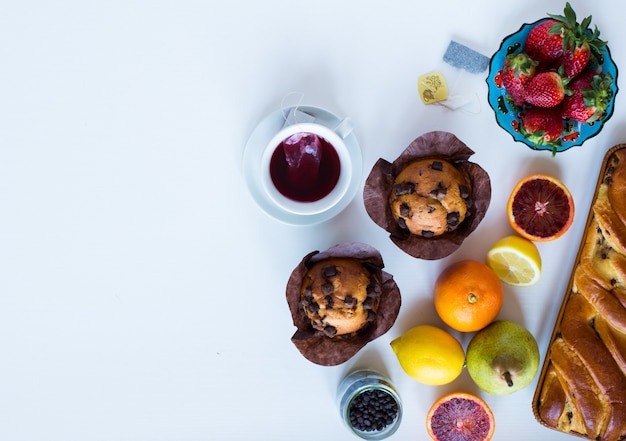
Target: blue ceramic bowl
(574,133)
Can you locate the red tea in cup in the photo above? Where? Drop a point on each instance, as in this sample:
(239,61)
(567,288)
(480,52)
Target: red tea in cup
(305,167)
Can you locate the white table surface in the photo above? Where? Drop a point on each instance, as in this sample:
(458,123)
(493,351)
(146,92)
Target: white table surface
(142,289)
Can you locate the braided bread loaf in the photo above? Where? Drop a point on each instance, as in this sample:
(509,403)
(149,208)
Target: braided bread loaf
(583,391)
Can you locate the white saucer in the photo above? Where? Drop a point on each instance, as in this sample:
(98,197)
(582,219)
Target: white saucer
(255,146)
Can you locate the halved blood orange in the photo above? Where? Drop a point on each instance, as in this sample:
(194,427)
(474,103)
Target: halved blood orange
(540,208)
(460,416)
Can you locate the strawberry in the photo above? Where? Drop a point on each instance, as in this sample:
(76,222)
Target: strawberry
(544,42)
(575,59)
(516,73)
(542,125)
(546,89)
(579,52)
(590,96)
(578,41)
(563,40)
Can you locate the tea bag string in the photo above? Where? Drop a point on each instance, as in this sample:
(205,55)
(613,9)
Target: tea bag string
(462,107)
(454,95)
(286,109)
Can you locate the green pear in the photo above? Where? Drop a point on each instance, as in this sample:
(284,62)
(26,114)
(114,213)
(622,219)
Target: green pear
(503,358)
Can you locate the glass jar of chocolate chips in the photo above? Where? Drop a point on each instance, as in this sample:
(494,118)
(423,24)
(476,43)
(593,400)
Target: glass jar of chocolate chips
(369,404)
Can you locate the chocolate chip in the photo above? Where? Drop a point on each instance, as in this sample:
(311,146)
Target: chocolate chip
(330,331)
(428,234)
(464,191)
(368,303)
(371,315)
(402,223)
(308,293)
(453,220)
(404,188)
(330,271)
(349,301)
(431,208)
(373,289)
(405,210)
(330,301)
(313,308)
(328,288)
(442,191)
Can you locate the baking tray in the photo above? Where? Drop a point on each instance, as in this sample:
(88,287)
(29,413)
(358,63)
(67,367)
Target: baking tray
(546,368)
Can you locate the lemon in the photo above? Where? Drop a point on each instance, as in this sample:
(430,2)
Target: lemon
(429,354)
(515,260)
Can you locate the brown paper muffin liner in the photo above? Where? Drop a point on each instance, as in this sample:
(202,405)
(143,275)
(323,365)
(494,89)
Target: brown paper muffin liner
(379,185)
(315,345)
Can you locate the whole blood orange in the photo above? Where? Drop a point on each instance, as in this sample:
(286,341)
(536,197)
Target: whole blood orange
(540,208)
(460,416)
(468,295)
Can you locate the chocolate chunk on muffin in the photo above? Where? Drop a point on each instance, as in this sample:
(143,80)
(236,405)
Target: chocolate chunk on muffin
(430,197)
(339,296)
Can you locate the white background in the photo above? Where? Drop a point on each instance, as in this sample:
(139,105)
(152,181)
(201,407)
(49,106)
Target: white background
(142,289)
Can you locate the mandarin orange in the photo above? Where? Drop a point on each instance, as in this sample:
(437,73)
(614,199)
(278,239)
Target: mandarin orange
(468,295)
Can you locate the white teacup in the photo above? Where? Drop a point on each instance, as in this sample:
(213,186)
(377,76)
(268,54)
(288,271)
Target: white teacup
(336,138)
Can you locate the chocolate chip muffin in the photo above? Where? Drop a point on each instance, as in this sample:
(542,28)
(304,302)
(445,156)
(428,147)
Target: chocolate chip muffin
(339,296)
(430,197)
(340,299)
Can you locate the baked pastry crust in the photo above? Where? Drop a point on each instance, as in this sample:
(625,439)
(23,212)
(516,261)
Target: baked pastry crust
(429,197)
(582,390)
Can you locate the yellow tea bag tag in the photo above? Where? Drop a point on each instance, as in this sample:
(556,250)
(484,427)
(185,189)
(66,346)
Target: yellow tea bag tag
(432,87)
